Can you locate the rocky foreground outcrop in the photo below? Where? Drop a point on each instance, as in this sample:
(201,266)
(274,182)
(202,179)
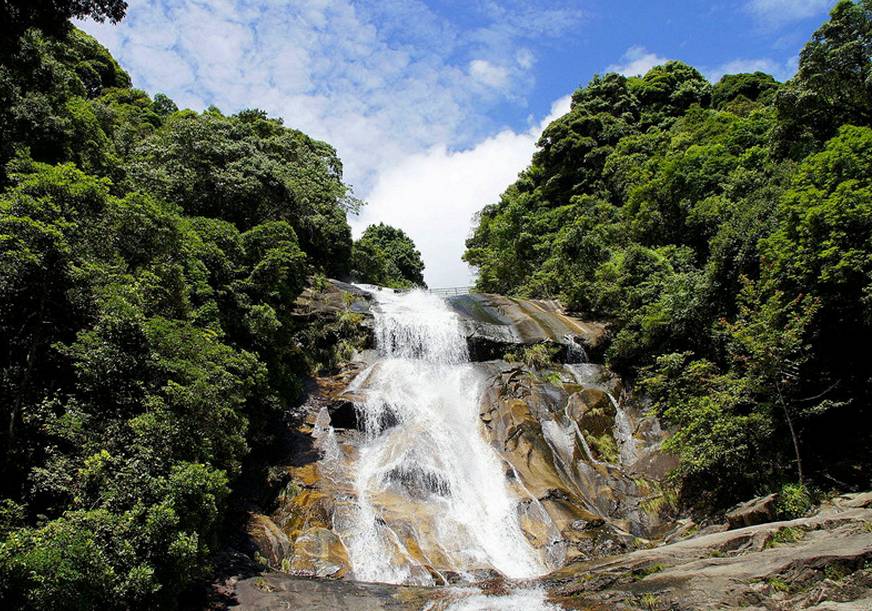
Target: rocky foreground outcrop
(821,562)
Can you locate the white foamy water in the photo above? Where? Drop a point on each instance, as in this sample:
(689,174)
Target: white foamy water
(519,600)
(422,444)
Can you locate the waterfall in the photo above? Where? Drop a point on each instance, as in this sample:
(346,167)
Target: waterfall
(422,450)
(587,374)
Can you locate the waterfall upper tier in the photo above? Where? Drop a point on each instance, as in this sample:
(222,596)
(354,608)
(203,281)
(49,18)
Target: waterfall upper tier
(492,324)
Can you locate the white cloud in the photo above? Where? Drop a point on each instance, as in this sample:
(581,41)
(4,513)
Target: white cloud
(525,58)
(380,81)
(434,194)
(772,13)
(488,73)
(636,61)
(780,70)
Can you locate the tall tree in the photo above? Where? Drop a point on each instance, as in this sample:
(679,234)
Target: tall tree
(52,16)
(385,255)
(833,85)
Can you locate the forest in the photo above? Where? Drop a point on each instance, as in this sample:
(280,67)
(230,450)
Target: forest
(149,260)
(725,234)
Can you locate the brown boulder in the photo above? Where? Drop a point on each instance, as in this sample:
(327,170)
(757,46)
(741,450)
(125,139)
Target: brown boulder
(755,511)
(592,409)
(333,298)
(319,552)
(495,323)
(269,539)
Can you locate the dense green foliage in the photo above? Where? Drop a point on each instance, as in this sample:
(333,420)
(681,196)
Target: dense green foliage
(52,16)
(386,256)
(149,261)
(725,232)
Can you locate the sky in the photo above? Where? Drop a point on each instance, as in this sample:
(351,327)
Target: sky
(435,106)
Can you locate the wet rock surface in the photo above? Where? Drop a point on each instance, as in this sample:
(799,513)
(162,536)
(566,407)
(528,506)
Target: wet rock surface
(495,324)
(585,458)
(558,431)
(825,563)
(271,542)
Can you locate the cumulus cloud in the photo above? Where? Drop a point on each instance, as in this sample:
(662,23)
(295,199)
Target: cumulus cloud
(779,12)
(636,61)
(378,80)
(488,73)
(433,195)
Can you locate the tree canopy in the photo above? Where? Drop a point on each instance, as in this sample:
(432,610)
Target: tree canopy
(52,16)
(386,256)
(833,85)
(723,232)
(150,258)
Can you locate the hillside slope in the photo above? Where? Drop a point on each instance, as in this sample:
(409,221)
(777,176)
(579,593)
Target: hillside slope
(725,233)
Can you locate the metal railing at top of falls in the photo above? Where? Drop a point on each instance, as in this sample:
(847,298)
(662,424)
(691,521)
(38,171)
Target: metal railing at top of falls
(452,290)
(448,291)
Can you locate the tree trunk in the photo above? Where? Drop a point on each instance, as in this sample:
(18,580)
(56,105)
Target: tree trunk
(792,434)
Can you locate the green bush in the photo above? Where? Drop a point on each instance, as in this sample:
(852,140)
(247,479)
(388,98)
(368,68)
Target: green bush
(537,356)
(794,501)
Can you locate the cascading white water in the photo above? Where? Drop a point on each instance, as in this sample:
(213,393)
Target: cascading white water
(422,444)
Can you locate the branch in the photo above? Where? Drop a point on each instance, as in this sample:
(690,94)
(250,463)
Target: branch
(818,396)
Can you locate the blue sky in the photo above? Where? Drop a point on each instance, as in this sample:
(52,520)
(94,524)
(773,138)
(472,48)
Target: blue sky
(435,106)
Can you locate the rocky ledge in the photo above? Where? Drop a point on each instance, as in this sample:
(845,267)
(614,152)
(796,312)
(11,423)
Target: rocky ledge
(494,324)
(821,562)
(818,562)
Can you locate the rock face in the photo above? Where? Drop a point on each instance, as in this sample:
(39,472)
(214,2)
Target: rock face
(580,452)
(334,297)
(495,324)
(269,539)
(319,552)
(755,511)
(822,562)
(573,443)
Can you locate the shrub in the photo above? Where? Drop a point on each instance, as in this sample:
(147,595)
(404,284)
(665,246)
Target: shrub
(794,501)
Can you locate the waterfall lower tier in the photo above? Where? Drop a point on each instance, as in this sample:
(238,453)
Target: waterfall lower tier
(426,482)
